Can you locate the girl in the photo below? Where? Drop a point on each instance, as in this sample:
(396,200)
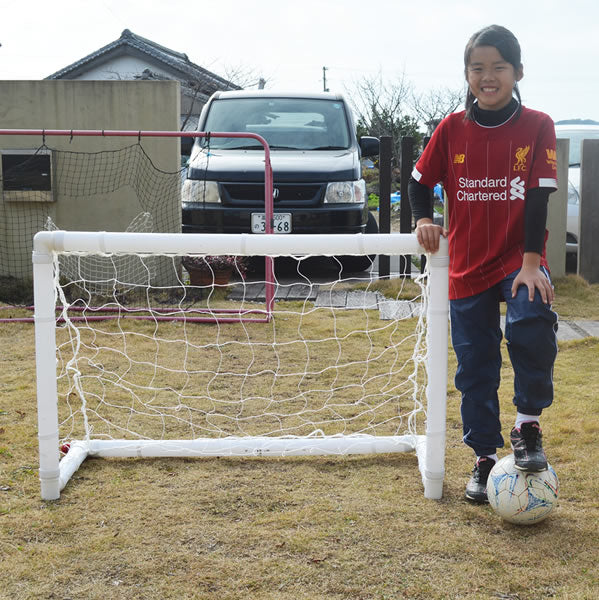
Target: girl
(497,163)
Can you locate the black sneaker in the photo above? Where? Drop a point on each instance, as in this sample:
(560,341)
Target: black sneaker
(476,490)
(527,444)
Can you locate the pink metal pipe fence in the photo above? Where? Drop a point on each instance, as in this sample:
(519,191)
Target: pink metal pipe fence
(268,213)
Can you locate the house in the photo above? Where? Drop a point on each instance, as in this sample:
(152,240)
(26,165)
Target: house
(133,57)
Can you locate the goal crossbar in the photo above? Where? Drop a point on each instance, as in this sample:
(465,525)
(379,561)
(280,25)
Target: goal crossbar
(429,447)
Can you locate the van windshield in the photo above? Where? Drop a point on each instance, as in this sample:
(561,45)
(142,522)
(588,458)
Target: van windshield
(285,123)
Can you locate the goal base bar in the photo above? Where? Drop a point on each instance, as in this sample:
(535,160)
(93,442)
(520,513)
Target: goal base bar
(235,446)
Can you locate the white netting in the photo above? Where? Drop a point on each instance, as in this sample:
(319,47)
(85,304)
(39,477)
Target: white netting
(106,275)
(337,357)
(122,182)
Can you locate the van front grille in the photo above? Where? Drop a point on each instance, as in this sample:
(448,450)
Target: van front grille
(247,194)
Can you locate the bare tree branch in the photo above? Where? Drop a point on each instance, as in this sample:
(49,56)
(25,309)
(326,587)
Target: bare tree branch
(380,108)
(433,106)
(245,77)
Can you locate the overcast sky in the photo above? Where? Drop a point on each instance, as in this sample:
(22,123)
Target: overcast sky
(288,42)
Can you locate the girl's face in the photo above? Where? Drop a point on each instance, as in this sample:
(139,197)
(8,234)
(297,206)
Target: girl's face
(491,78)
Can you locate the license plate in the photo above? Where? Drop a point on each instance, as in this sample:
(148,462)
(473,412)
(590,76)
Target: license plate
(282,223)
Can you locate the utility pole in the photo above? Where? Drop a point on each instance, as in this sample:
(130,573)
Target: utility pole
(324,79)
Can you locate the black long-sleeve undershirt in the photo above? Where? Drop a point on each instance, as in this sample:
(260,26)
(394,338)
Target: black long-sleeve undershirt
(535,207)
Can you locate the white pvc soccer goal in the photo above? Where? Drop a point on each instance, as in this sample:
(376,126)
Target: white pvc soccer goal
(132,373)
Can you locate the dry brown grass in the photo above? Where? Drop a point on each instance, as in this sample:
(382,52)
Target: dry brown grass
(351,528)
(576,299)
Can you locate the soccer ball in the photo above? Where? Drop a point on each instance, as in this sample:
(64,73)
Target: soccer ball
(521,497)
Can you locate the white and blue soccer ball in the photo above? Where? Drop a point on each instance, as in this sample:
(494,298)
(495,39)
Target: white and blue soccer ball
(521,497)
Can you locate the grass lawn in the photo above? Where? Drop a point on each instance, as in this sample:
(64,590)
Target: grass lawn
(294,528)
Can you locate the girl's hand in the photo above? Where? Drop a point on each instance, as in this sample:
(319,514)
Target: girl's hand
(533,278)
(428,234)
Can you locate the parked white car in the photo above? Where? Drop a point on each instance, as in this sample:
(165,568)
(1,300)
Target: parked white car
(575,133)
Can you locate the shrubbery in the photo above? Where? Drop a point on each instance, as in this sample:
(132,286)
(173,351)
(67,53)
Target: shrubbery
(16,291)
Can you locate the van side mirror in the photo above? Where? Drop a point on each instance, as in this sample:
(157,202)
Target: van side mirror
(369,146)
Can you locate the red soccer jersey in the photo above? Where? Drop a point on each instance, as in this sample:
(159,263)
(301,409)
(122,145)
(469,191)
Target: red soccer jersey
(486,172)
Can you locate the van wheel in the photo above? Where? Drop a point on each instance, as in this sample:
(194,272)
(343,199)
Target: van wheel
(361,263)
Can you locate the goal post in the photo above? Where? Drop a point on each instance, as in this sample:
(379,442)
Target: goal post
(99,394)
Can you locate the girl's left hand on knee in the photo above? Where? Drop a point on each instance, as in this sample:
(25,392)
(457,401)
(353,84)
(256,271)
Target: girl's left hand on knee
(534,278)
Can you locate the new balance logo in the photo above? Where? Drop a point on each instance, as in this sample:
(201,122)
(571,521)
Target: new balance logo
(458,159)
(517,189)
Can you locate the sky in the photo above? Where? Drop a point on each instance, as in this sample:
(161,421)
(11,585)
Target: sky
(289,42)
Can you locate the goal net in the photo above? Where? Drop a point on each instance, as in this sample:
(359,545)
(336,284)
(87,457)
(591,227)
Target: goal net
(81,185)
(144,368)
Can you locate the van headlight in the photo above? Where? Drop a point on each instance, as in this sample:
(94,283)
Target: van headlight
(345,192)
(196,190)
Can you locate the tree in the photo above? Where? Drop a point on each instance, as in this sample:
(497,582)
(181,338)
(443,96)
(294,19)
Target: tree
(433,106)
(198,91)
(245,77)
(380,109)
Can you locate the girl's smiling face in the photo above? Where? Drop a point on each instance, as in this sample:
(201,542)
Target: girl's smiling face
(491,78)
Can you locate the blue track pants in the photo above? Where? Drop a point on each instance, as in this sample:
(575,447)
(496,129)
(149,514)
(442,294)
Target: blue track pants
(530,332)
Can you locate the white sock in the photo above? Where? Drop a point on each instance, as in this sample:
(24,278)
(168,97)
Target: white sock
(522,418)
(491,456)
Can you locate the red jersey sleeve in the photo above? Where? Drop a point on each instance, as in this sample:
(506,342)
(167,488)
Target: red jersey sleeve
(431,166)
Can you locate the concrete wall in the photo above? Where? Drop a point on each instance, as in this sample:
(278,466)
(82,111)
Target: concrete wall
(557,213)
(588,244)
(75,104)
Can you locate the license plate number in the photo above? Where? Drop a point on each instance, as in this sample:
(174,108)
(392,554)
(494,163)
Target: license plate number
(282,223)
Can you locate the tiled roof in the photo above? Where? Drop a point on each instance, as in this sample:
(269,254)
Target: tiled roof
(183,69)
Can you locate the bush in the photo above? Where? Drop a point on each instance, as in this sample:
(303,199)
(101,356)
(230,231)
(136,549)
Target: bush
(16,291)
(370,175)
(373,201)
(209,264)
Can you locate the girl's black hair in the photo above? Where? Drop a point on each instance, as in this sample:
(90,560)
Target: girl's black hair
(506,44)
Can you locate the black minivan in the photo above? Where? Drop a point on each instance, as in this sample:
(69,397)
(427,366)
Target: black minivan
(315,157)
